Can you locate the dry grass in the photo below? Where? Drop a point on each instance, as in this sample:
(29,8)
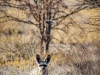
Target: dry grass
(75,61)
(18,42)
(79,57)
(76,58)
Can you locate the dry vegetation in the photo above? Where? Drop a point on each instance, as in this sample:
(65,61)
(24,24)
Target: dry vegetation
(79,57)
(75,50)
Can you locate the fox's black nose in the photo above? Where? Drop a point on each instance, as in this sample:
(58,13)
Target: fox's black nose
(43,67)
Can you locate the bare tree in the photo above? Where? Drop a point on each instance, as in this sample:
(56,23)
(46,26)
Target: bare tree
(47,14)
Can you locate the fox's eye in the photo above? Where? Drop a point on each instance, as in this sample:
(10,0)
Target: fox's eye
(40,65)
(43,65)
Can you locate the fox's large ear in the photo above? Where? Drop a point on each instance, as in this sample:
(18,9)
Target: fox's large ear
(38,58)
(47,60)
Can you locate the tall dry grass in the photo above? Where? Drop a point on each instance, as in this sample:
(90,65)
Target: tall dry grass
(75,57)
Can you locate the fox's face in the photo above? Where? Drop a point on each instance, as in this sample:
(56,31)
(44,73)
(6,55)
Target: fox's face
(43,64)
